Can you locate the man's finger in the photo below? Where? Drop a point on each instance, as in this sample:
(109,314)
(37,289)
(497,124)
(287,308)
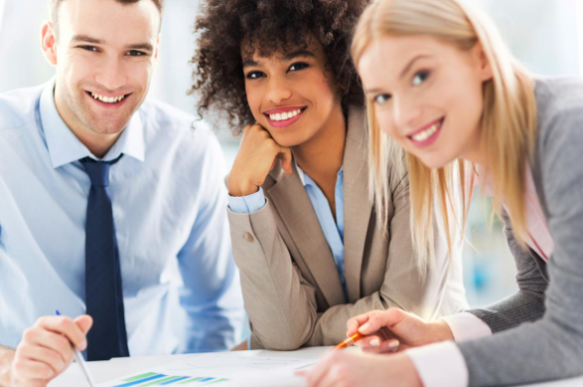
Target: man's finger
(84,322)
(50,340)
(45,355)
(30,369)
(66,327)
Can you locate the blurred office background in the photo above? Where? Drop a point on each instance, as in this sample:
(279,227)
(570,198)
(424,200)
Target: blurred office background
(546,35)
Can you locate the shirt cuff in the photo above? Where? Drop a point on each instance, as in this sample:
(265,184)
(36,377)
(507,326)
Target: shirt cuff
(247,204)
(466,326)
(431,361)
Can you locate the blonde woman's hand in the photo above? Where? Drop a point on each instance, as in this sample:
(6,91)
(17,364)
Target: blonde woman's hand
(349,369)
(382,328)
(257,155)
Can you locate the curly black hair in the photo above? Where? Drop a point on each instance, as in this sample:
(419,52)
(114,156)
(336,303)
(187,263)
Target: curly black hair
(269,26)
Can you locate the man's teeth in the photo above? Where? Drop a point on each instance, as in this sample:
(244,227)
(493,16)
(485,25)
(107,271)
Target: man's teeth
(284,116)
(107,99)
(422,136)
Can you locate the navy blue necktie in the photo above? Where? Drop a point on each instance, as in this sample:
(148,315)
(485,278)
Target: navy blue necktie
(103,286)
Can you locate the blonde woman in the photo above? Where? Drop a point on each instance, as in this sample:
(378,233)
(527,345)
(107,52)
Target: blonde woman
(441,84)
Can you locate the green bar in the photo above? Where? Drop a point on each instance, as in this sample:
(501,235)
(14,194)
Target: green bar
(142,376)
(191,380)
(217,381)
(160,381)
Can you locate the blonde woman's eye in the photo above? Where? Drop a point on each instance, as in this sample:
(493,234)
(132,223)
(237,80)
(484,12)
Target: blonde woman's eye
(381,98)
(420,77)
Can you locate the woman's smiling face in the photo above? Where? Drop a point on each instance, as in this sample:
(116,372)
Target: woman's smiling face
(290,94)
(427,95)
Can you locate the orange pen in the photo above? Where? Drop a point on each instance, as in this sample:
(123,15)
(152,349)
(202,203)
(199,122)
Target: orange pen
(349,341)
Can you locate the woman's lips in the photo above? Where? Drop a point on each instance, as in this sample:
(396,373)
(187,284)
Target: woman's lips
(280,122)
(428,134)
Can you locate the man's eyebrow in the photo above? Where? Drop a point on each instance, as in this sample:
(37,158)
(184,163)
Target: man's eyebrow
(87,39)
(410,64)
(295,54)
(141,46)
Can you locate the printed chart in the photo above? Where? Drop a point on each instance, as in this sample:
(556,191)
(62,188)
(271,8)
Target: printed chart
(214,369)
(155,379)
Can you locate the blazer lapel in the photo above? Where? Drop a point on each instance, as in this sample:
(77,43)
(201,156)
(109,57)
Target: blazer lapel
(295,208)
(357,201)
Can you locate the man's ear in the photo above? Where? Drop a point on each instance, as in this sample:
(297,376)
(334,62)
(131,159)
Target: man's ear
(157,50)
(49,42)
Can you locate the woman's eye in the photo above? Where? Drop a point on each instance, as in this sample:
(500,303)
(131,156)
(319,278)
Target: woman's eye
(298,66)
(381,98)
(254,75)
(420,77)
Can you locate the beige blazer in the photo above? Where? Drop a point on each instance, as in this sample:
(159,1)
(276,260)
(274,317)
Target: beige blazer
(291,287)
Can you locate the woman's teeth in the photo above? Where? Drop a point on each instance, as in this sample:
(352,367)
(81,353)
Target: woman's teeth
(284,116)
(107,99)
(424,135)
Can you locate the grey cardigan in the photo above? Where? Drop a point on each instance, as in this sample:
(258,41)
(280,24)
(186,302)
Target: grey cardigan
(542,323)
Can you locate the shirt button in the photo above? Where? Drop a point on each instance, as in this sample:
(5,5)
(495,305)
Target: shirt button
(248,237)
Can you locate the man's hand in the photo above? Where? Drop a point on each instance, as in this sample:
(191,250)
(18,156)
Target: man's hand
(45,350)
(257,155)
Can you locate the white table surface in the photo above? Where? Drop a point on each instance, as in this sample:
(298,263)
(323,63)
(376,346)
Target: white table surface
(102,371)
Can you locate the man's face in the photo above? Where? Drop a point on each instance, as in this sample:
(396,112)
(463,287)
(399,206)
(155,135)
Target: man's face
(105,54)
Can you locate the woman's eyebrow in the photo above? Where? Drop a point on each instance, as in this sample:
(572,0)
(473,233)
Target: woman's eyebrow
(295,54)
(250,63)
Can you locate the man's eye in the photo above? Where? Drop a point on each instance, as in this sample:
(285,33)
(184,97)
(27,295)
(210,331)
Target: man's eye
(298,66)
(136,53)
(381,99)
(255,75)
(420,77)
(89,48)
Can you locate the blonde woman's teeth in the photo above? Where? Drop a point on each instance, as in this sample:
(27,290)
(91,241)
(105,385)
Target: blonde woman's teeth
(424,135)
(107,99)
(284,116)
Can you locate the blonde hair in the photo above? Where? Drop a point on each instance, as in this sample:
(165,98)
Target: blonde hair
(508,123)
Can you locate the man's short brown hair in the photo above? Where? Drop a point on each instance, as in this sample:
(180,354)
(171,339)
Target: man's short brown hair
(55,4)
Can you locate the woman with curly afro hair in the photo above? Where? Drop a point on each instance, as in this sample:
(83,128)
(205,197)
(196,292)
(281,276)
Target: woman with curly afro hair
(309,245)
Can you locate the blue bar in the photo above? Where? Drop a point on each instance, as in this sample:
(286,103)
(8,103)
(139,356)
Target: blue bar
(175,380)
(141,381)
(206,380)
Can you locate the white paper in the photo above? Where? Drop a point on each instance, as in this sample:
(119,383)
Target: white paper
(220,369)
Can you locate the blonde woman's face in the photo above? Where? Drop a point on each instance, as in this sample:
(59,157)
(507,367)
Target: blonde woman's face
(427,95)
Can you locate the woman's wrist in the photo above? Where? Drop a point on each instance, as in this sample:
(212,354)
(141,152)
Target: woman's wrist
(441,332)
(241,188)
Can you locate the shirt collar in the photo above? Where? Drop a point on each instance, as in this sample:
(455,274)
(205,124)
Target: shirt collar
(307,180)
(65,148)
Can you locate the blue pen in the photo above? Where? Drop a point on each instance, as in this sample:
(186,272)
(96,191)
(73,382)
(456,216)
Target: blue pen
(79,359)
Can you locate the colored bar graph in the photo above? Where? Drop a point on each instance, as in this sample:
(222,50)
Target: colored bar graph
(177,379)
(154,379)
(137,382)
